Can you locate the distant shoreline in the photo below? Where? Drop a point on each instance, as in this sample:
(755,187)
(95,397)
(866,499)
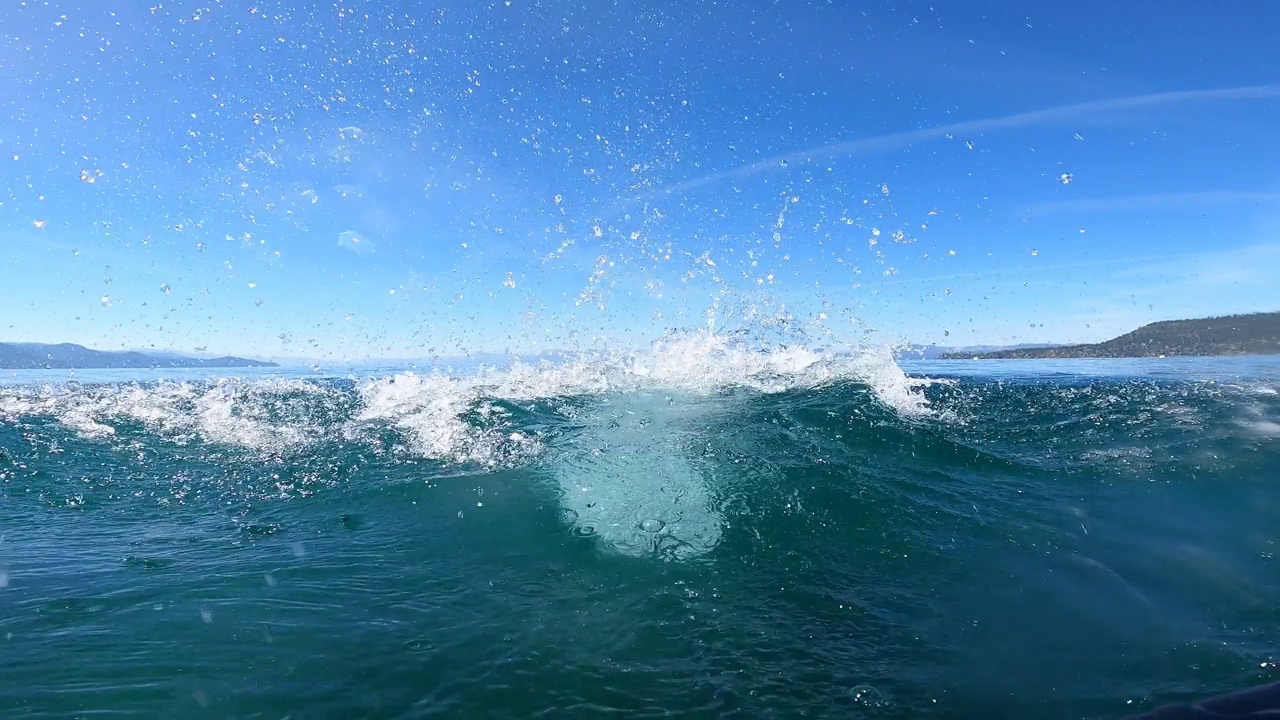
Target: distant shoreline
(1256,334)
(69,356)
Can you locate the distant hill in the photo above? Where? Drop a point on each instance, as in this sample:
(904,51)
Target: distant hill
(25,356)
(1256,334)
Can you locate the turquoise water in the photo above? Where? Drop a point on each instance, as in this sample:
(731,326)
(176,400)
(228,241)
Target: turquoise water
(748,536)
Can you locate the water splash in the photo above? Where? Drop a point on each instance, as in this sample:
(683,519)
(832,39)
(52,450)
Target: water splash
(452,417)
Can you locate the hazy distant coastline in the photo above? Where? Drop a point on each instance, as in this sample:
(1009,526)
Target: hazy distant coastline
(1253,334)
(30,356)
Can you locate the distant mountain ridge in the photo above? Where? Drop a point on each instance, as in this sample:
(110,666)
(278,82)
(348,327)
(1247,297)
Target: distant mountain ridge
(1253,334)
(28,356)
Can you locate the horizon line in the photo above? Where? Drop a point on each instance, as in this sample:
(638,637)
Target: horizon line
(287,361)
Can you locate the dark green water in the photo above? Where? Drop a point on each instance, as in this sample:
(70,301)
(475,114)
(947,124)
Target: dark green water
(1083,541)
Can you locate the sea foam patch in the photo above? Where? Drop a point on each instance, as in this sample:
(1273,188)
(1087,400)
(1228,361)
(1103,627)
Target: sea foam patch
(226,412)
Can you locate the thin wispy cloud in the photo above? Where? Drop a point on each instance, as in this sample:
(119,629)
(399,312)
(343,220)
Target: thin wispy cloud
(893,141)
(1207,267)
(1018,273)
(1154,201)
(355,242)
(1256,264)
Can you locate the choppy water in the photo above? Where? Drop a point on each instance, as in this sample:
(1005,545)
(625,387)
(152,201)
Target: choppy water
(741,535)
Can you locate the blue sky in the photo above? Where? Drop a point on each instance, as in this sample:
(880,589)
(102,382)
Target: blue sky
(394,180)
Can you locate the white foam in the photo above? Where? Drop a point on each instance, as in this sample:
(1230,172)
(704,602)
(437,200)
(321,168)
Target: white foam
(1264,428)
(453,418)
(704,361)
(82,420)
(227,412)
(1258,419)
(431,408)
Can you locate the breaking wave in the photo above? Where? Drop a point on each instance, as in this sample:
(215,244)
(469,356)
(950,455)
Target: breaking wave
(616,436)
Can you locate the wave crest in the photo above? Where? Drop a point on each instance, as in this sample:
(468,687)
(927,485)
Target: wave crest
(464,418)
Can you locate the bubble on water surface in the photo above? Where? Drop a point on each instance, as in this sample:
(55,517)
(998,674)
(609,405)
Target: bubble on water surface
(652,525)
(868,696)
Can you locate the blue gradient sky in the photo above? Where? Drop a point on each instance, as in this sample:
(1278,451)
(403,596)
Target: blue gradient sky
(394,179)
